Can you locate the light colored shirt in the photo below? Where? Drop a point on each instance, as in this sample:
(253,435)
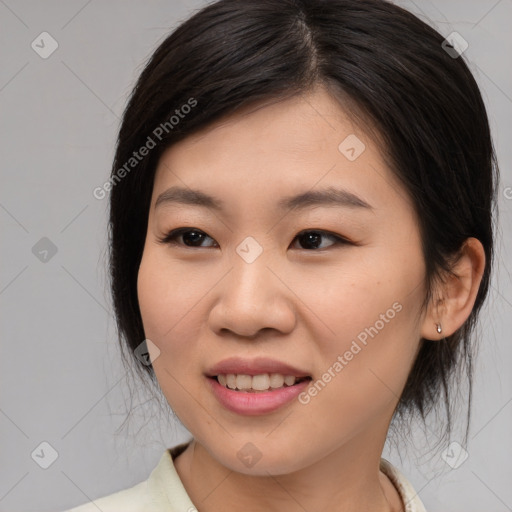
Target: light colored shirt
(163,491)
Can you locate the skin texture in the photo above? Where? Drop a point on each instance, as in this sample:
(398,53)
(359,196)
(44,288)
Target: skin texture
(295,303)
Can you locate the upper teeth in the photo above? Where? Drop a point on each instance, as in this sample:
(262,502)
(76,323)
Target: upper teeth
(256,382)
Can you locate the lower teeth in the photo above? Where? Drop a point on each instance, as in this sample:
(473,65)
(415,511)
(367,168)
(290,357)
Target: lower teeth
(254,390)
(257,390)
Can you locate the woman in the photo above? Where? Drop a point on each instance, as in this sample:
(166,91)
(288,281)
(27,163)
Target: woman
(301,240)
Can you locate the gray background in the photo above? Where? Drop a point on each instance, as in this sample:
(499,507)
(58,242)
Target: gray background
(61,381)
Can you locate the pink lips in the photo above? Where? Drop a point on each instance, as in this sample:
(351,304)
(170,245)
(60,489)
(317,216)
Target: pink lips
(262,402)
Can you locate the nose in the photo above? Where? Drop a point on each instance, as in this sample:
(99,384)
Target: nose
(252,297)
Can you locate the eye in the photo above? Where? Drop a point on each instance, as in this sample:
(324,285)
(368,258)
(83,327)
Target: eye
(192,237)
(312,238)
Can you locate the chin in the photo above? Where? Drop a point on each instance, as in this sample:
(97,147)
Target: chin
(258,458)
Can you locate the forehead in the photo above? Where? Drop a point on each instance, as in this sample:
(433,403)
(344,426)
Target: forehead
(275,148)
(296,124)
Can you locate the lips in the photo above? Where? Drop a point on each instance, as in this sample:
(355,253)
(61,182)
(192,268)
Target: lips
(256,386)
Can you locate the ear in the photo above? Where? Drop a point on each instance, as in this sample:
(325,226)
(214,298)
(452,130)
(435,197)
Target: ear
(457,294)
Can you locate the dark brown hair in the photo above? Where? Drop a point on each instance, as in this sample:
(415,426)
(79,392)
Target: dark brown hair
(424,104)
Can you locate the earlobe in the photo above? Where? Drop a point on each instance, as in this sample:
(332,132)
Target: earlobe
(434,323)
(458,293)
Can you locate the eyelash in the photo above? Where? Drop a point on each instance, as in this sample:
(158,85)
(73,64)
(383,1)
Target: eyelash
(170,238)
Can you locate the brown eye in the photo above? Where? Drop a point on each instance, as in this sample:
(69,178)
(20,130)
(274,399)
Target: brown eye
(312,239)
(191,237)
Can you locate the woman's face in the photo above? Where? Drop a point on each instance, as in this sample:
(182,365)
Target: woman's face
(260,287)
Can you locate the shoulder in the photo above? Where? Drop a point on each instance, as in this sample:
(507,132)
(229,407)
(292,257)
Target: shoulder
(163,491)
(133,499)
(410,498)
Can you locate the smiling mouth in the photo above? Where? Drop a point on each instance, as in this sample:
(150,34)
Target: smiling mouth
(257,383)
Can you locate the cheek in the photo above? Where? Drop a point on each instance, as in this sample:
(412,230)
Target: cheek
(166,302)
(153,300)
(172,302)
(362,372)
(167,294)
(372,325)
(161,309)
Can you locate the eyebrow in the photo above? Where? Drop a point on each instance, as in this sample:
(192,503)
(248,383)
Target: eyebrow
(328,197)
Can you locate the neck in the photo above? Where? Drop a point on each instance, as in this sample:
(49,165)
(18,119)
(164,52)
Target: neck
(348,480)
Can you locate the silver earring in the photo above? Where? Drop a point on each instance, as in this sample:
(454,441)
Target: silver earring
(439,328)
